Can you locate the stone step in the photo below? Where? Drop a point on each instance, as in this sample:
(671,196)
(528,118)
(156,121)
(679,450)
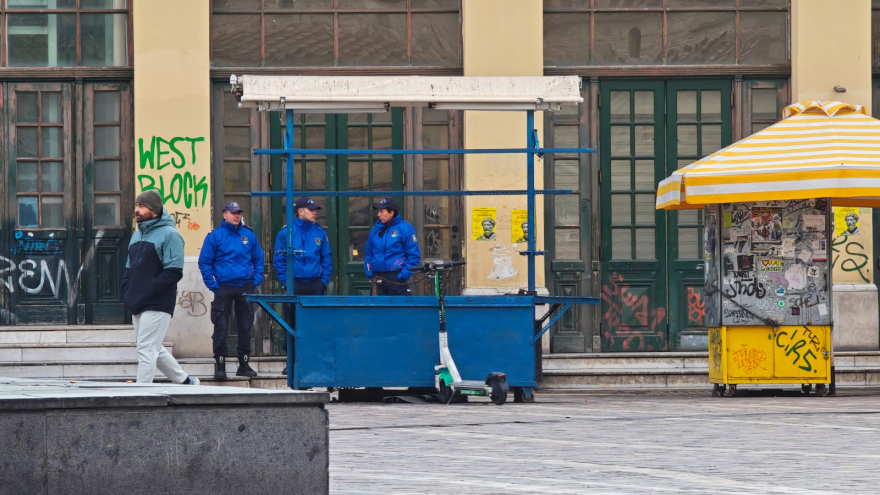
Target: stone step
(590,378)
(127,369)
(67,334)
(63,352)
(674,361)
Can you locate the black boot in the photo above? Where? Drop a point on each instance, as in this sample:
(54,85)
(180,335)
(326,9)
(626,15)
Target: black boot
(219,367)
(244,369)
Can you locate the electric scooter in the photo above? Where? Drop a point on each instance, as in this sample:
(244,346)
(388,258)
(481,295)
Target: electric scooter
(447,380)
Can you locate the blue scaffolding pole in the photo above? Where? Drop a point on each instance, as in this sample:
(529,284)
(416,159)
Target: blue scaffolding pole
(532,148)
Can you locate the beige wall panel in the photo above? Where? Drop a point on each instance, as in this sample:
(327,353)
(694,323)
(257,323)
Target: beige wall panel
(831,46)
(172,109)
(501,38)
(172,119)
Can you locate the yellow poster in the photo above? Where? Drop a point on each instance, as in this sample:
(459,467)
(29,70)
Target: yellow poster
(519,226)
(846,221)
(483,224)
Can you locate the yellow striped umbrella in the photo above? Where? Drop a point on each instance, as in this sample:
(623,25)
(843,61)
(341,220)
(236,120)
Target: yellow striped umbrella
(821,149)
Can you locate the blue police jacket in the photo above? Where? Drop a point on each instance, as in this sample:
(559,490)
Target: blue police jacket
(395,251)
(231,256)
(312,259)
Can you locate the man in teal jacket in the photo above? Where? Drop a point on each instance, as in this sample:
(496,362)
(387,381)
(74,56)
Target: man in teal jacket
(152,270)
(231,263)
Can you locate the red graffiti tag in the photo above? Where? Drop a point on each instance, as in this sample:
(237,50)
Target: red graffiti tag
(696,306)
(749,360)
(647,318)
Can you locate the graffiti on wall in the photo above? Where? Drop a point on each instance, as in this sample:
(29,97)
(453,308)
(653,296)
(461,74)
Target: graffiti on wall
(193,302)
(33,276)
(631,317)
(696,311)
(749,360)
(182,186)
(848,255)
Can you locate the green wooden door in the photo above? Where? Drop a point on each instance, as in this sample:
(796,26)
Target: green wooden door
(364,173)
(698,116)
(347,220)
(43,265)
(652,261)
(632,161)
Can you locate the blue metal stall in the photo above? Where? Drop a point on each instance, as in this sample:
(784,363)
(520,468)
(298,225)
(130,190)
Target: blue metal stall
(346,341)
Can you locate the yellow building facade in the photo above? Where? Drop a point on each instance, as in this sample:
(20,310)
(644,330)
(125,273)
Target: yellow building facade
(664,83)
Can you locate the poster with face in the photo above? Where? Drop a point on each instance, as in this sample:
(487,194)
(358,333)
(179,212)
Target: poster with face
(519,226)
(846,221)
(483,224)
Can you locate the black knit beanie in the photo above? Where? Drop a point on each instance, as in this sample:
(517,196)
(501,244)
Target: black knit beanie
(151,199)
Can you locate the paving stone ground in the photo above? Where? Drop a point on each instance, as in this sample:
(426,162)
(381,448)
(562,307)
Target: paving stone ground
(686,442)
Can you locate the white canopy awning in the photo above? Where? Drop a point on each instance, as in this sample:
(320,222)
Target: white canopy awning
(347,94)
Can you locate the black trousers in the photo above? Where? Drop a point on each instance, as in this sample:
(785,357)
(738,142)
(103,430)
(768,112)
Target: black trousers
(311,288)
(387,284)
(225,297)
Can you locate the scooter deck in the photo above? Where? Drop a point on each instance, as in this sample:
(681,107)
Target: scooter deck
(470,384)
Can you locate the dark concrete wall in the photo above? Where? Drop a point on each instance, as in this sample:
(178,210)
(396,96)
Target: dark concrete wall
(181,449)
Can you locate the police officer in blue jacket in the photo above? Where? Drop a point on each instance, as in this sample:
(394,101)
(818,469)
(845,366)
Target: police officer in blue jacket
(312,265)
(231,263)
(392,251)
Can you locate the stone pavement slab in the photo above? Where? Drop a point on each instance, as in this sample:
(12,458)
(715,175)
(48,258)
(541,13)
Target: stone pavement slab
(678,442)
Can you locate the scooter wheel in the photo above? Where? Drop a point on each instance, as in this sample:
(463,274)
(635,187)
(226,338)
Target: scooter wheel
(445,393)
(499,390)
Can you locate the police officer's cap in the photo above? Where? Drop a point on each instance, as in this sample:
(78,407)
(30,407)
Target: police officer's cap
(389,203)
(306,203)
(232,207)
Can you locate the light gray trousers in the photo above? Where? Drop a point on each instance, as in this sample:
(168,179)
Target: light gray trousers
(150,328)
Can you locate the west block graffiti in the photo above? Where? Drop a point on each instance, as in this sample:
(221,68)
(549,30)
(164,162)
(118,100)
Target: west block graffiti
(630,317)
(182,187)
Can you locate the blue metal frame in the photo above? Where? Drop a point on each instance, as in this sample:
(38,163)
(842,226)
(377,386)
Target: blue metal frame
(532,148)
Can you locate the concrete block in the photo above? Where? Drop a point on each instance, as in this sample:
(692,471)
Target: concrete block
(30,337)
(100,370)
(872,379)
(107,352)
(871,361)
(844,361)
(701,363)
(19,371)
(856,326)
(689,381)
(12,355)
(100,336)
(23,456)
(189,450)
(850,379)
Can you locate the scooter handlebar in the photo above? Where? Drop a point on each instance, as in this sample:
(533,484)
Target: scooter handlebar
(433,266)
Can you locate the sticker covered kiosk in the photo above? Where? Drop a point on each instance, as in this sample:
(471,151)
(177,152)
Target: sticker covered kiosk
(768,293)
(767,206)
